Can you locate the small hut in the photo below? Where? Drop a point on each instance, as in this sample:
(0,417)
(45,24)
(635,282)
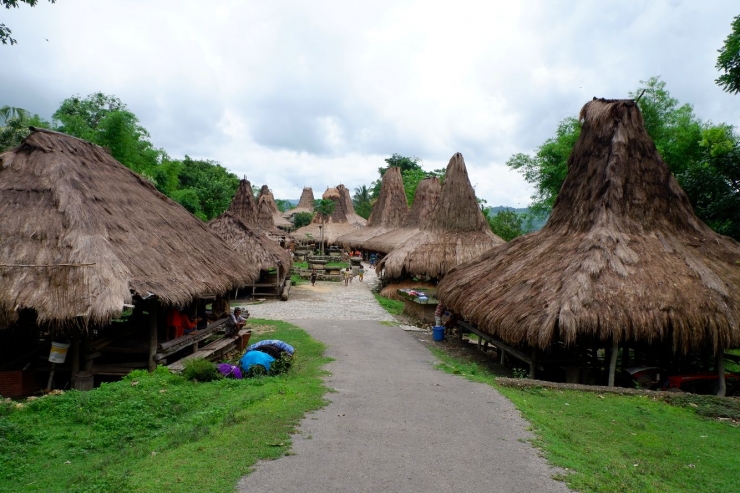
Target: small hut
(265,196)
(349,208)
(305,204)
(425,198)
(456,232)
(333,226)
(389,211)
(82,236)
(622,260)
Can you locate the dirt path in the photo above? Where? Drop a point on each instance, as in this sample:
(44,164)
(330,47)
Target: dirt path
(395,423)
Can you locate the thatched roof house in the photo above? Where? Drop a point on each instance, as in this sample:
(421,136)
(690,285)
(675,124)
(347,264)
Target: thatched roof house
(349,208)
(334,226)
(265,197)
(456,232)
(305,204)
(80,234)
(249,242)
(388,213)
(623,257)
(425,198)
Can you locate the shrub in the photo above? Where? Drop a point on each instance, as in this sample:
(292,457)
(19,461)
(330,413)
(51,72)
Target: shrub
(200,370)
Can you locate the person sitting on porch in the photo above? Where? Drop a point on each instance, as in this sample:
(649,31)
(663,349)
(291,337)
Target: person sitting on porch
(188,326)
(235,322)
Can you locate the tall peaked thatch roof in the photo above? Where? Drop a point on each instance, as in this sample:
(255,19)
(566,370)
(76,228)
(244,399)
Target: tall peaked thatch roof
(623,257)
(334,226)
(456,231)
(389,211)
(249,242)
(305,204)
(244,205)
(425,198)
(80,233)
(349,208)
(266,196)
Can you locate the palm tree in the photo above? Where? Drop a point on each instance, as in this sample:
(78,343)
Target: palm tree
(362,201)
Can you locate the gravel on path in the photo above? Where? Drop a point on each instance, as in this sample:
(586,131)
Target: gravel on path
(397,424)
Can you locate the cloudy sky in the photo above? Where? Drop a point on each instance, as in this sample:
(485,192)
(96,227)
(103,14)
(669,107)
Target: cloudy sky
(318,93)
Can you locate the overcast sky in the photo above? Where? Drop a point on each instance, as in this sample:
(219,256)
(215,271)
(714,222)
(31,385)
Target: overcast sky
(296,94)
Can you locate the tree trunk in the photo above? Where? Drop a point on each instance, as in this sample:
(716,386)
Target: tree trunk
(721,373)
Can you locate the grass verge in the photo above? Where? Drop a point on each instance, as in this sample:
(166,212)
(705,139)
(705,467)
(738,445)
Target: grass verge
(159,432)
(394,307)
(614,443)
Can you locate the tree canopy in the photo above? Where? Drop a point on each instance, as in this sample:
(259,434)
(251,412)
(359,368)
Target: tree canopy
(5,32)
(728,60)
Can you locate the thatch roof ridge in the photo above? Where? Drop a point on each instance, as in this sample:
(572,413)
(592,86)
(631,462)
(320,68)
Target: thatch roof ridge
(388,213)
(250,242)
(92,232)
(425,198)
(349,208)
(455,232)
(305,203)
(244,205)
(623,257)
(277,219)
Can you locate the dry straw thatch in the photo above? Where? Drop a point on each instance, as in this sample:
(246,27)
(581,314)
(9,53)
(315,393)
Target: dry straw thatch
(305,204)
(456,232)
(80,233)
(622,257)
(266,204)
(249,242)
(334,226)
(425,198)
(389,211)
(349,208)
(243,205)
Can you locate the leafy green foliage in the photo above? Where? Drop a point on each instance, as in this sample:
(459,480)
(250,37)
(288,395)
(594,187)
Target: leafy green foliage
(15,123)
(301,219)
(5,32)
(728,60)
(506,224)
(394,307)
(283,205)
(362,202)
(200,370)
(703,156)
(398,161)
(160,432)
(325,207)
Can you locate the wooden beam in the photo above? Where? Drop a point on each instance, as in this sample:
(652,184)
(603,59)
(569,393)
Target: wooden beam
(721,372)
(613,362)
(153,308)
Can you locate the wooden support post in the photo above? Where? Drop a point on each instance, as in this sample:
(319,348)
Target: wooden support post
(501,355)
(153,308)
(721,372)
(613,362)
(533,364)
(75,350)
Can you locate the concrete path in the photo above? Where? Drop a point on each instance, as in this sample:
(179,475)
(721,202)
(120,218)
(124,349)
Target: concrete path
(395,423)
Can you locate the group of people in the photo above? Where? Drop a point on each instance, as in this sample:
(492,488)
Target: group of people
(181,322)
(348,274)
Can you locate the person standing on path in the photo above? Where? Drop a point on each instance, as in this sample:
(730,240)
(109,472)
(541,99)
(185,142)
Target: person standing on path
(361,273)
(347,274)
(313,277)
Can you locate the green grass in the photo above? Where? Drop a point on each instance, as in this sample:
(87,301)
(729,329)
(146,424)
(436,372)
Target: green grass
(159,432)
(394,307)
(295,280)
(623,444)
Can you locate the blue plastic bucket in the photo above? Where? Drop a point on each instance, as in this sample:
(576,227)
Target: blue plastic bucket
(438,333)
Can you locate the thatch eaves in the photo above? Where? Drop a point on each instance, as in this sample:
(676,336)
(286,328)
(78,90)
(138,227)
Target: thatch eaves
(425,198)
(623,257)
(250,243)
(456,232)
(80,234)
(388,213)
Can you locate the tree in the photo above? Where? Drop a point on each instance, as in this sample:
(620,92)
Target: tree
(5,32)
(507,224)
(398,161)
(284,205)
(301,219)
(362,202)
(324,207)
(728,60)
(15,123)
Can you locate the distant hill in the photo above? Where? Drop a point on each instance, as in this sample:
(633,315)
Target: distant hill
(536,224)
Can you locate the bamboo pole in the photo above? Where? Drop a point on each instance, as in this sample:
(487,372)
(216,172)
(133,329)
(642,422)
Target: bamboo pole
(721,372)
(153,306)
